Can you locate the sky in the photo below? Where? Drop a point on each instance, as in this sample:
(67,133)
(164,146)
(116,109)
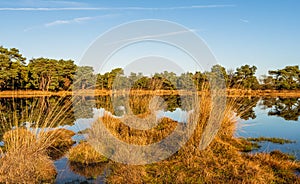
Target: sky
(264,33)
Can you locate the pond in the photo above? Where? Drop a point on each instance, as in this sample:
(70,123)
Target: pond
(274,118)
(259,117)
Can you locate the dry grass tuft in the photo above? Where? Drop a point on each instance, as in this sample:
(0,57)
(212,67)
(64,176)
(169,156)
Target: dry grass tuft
(223,161)
(84,153)
(60,141)
(19,137)
(27,165)
(135,136)
(24,158)
(60,137)
(122,173)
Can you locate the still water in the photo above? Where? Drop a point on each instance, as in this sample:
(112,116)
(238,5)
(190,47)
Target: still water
(280,120)
(259,117)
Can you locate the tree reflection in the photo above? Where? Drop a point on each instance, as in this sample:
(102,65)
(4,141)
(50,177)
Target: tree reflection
(83,106)
(58,111)
(287,108)
(244,107)
(36,112)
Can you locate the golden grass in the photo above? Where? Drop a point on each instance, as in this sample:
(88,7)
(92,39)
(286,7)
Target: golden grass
(263,93)
(19,137)
(25,157)
(60,141)
(60,137)
(26,165)
(223,161)
(270,139)
(135,136)
(84,153)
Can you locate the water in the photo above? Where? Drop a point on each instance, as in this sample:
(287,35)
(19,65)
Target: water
(262,117)
(268,125)
(70,174)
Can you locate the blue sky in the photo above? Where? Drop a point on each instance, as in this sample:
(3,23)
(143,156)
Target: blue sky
(265,33)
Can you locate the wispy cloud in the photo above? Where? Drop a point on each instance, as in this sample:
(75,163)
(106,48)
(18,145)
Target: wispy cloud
(154,36)
(115,8)
(43,3)
(70,21)
(244,20)
(64,3)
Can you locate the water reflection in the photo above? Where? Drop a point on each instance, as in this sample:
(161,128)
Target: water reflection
(244,107)
(90,171)
(269,117)
(287,108)
(37,110)
(275,117)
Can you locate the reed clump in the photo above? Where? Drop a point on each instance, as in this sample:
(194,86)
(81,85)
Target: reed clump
(60,138)
(223,161)
(25,159)
(85,154)
(60,141)
(27,140)
(26,165)
(15,138)
(135,136)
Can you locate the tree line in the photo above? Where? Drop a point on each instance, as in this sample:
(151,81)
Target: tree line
(60,75)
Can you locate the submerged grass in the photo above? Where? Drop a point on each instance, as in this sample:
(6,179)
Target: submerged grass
(271,139)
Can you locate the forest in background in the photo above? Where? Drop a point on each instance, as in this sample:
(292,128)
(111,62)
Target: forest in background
(43,74)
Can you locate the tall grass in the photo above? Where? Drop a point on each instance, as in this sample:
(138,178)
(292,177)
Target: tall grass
(222,161)
(28,137)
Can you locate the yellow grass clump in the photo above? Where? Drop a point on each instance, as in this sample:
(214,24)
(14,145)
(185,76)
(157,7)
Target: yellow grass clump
(60,137)
(223,161)
(24,159)
(14,139)
(60,141)
(26,154)
(26,165)
(84,153)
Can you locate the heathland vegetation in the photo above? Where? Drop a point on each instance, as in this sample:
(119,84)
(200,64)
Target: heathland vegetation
(43,74)
(31,144)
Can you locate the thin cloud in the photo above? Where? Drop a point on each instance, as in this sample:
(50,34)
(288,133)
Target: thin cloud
(154,36)
(70,21)
(65,3)
(244,20)
(43,3)
(116,8)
